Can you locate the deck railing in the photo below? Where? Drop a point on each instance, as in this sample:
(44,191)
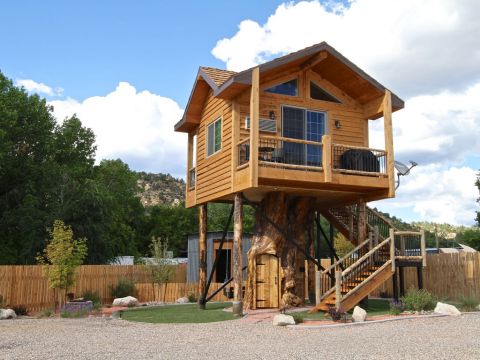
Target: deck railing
(192,175)
(358,160)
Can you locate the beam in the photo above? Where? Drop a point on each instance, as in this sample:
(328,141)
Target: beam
(254,126)
(388,133)
(237,255)
(189,157)
(235,140)
(202,252)
(322,55)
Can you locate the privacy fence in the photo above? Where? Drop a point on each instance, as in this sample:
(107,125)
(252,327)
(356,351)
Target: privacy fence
(446,275)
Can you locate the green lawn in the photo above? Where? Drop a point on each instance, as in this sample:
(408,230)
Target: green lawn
(375,307)
(188,313)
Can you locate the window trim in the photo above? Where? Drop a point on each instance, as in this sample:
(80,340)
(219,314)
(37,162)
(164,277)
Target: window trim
(212,123)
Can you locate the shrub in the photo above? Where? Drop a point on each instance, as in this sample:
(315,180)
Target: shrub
(94,297)
(192,297)
(124,287)
(45,313)
(76,314)
(469,303)
(396,307)
(418,300)
(297,317)
(65,314)
(337,315)
(20,310)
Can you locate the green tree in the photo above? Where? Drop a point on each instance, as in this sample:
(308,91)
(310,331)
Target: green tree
(470,237)
(342,245)
(62,255)
(160,267)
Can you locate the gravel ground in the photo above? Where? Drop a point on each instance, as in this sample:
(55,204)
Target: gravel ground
(96,338)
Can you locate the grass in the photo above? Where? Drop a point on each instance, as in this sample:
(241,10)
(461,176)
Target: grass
(375,307)
(173,314)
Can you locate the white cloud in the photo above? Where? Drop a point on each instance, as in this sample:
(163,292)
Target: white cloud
(411,46)
(136,127)
(436,193)
(41,88)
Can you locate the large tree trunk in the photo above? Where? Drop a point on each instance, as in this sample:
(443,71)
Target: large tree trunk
(294,215)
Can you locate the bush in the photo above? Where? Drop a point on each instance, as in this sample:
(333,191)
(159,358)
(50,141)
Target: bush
(192,298)
(94,297)
(337,315)
(45,313)
(297,317)
(418,300)
(469,303)
(124,287)
(76,314)
(396,307)
(20,310)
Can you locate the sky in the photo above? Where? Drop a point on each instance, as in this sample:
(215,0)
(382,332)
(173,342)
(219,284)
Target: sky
(126,69)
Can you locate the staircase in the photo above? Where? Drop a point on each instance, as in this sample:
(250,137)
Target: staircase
(353,277)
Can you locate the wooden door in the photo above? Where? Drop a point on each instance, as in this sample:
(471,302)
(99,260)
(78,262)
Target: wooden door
(267,281)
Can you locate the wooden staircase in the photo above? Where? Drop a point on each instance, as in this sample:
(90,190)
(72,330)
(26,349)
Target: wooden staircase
(353,277)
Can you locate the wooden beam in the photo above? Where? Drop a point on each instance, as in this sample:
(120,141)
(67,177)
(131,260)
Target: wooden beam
(327,157)
(423,248)
(388,132)
(254,126)
(361,221)
(189,158)
(392,249)
(237,255)
(235,139)
(322,55)
(202,252)
(374,108)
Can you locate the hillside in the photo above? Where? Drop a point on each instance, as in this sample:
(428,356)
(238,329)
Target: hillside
(160,189)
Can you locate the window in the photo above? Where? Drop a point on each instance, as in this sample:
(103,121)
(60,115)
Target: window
(214,137)
(289,88)
(317,93)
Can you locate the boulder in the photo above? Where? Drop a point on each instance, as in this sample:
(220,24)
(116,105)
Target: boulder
(283,320)
(359,315)
(182,300)
(446,309)
(7,314)
(125,301)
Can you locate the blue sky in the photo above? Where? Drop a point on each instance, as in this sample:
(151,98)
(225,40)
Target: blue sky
(126,69)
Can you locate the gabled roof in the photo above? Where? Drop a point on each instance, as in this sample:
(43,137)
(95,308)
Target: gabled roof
(335,68)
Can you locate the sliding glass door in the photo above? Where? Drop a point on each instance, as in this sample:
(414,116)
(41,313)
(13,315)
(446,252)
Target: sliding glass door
(303,124)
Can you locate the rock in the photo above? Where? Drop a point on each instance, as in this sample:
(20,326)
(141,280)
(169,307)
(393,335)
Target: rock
(283,320)
(182,300)
(125,301)
(359,315)
(7,314)
(446,309)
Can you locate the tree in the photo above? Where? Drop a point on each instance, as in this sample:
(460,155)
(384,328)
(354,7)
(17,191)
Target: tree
(342,245)
(62,255)
(470,237)
(160,267)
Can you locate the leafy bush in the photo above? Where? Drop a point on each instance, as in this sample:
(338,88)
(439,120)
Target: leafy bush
(396,307)
(20,310)
(418,300)
(469,303)
(124,287)
(192,297)
(45,313)
(94,297)
(297,317)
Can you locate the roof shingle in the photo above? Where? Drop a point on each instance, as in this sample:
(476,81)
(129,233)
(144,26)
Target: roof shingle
(218,76)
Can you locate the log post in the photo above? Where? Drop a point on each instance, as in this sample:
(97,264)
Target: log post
(237,255)
(327,157)
(202,252)
(361,221)
(388,133)
(423,248)
(318,285)
(338,288)
(392,248)
(254,126)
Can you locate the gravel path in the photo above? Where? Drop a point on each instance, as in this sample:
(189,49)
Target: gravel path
(95,338)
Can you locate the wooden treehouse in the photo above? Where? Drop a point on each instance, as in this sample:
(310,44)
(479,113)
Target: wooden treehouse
(290,137)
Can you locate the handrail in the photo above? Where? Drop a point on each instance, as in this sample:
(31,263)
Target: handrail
(359,261)
(358,147)
(346,256)
(299,141)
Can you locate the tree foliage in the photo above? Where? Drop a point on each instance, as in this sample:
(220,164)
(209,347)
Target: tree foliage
(160,267)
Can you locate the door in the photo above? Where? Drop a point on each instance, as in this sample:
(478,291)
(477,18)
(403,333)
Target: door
(267,281)
(303,124)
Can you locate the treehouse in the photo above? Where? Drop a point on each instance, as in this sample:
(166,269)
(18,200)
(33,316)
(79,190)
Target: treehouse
(290,137)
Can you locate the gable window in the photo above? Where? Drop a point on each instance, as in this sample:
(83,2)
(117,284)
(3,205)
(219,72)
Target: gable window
(289,88)
(317,93)
(214,137)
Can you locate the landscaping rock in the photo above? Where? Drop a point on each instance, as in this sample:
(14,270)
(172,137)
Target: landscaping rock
(126,301)
(446,309)
(359,315)
(283,320)
(7,314)
(182,300)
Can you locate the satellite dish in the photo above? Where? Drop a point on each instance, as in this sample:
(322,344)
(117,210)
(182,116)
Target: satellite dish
(403,170)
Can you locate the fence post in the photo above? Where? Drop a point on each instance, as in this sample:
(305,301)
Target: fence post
(392,248)
(423,248)
(338,288)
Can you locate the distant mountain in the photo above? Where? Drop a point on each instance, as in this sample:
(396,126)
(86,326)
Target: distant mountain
(160,189)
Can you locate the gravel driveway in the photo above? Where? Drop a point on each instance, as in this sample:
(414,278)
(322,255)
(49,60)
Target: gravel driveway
(95,338)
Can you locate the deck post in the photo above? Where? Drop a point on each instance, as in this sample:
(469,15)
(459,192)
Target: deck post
(254,126)
(237,255)
(235,139)
(361,221)
(423,248)
(392,248)
(338,288)
(327,157)
(318,287)
(318,238)
(202,252)
(375,235)
(388,133)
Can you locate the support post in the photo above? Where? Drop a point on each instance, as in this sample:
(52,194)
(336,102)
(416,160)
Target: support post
(350,227)
(331,241)
(235,139)
(327,157)
(375,235)
(189,159)
(392,248)
(423,248)
(361,221)
(388,133)
(202,252)
(420,277)
(395,286)
(318,287)
(254,126)
(401,275)
(237,255)
(318,234)
(338,288)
